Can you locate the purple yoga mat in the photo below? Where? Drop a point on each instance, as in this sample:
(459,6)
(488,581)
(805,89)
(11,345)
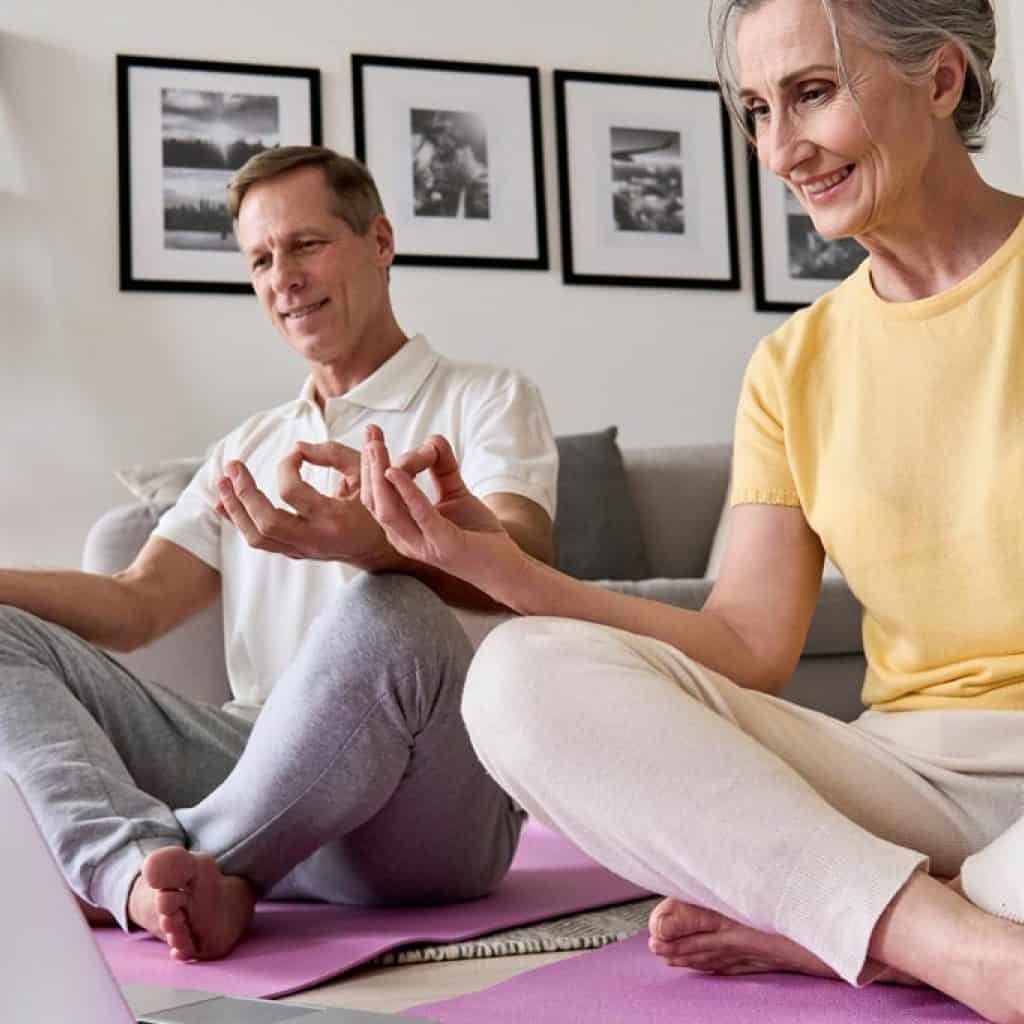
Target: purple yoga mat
(625,982)
(292,946)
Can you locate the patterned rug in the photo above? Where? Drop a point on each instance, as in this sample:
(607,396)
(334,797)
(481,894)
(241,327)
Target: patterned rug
(588,930)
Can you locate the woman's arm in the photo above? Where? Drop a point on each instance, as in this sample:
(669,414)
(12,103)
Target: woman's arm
(751,629)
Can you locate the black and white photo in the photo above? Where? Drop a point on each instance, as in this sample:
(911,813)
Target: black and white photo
(812,257)
(449,164)
(793,264)
(207,136)
(645,176)
(185,128)
(455,148)
(646,180)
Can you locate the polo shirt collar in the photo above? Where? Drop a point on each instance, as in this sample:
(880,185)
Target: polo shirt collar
(393,385)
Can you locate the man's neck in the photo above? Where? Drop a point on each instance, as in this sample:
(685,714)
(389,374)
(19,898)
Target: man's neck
(331,380)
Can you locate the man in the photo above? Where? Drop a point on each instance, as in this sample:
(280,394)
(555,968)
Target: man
(341,769)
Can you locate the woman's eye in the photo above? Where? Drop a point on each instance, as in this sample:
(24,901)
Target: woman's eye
(814,93)
(259,262)
(757,111)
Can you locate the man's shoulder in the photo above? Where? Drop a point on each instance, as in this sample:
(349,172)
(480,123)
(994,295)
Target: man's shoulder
(478,379)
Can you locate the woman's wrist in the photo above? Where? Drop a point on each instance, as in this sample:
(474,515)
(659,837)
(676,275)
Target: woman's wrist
(526,587)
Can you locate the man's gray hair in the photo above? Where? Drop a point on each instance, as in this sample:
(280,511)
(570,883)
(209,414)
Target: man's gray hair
(907,32)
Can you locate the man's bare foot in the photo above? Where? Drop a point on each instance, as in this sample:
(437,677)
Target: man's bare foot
(182,898)
(684,935)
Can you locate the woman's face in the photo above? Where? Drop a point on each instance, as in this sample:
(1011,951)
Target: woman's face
(856,166)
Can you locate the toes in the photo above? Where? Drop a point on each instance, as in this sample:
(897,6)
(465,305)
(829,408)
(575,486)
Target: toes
(672,920)
(178,935)
(171,867)
(170,901)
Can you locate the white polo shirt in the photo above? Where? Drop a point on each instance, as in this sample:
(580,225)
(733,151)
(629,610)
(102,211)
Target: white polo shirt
(494,419)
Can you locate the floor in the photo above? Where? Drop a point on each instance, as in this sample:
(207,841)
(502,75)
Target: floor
(392,989)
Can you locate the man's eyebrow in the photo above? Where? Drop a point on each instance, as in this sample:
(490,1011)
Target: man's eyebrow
(787,80)
(290,237)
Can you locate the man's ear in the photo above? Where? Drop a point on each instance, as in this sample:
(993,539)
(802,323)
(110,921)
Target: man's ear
(948,78)
(382,235)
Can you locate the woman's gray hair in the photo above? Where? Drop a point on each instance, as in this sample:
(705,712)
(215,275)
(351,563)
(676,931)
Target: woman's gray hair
(907,32)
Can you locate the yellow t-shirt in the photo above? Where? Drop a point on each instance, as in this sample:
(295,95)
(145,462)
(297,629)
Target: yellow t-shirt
(898,428)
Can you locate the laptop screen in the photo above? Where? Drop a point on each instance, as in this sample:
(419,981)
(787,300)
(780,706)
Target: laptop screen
(52,970)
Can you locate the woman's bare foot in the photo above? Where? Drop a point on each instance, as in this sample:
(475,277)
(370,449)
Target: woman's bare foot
(182,898)
(684,935)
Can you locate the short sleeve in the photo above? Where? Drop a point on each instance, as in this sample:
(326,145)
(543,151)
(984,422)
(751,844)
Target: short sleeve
(761,472)
(507,443)
(192,522)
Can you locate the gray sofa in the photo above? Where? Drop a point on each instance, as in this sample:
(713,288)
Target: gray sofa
(677,495)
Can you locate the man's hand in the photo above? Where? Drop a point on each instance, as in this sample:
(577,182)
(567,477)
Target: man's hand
(458,534)
(325,527)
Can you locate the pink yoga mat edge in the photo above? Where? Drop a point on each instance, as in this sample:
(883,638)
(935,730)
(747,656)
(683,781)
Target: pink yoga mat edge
(294,946)
(625,982)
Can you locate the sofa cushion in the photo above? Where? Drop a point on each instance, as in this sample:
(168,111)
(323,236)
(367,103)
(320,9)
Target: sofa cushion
(597,529)
(161,482)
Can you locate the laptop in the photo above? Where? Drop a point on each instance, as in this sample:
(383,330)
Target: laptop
(53,972)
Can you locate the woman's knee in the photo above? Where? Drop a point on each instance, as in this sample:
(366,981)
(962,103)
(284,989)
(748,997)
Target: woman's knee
(523,680)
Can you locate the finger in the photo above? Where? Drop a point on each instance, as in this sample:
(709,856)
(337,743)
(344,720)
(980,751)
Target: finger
(375,460)
(332,455)
(302,496)
(445,470)
(413,519)
(261,524)
(416,460)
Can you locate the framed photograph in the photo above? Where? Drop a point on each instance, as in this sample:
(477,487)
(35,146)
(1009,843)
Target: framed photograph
(793,264)
(184,128)
(455,149)
(646,180)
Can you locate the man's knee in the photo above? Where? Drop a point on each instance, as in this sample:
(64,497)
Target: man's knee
(391,633)
(22,635)
(396,613)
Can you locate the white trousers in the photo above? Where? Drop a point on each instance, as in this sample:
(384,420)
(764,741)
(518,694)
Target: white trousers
(689,785)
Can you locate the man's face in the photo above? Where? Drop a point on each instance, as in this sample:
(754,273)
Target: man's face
(323,286)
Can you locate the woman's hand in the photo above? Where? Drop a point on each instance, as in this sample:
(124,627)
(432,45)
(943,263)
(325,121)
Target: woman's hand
(458,533)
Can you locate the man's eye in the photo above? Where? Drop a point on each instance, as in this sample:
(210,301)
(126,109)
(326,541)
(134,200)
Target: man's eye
(260,262)
(308,244)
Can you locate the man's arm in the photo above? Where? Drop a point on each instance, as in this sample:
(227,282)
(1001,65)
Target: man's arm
(161,588)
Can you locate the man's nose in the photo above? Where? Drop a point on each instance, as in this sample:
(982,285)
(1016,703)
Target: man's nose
(286,273)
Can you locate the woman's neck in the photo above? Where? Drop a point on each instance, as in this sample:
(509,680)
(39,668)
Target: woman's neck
(958,223)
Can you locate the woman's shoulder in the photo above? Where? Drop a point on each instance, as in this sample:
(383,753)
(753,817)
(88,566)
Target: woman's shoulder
(823,321)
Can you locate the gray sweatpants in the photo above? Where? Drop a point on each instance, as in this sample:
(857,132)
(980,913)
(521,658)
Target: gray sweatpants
(356,783)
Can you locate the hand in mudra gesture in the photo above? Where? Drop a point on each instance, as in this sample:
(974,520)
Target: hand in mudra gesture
(457,532)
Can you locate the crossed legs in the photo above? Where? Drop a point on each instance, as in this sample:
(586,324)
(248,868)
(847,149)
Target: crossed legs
(758,819)
(357,783)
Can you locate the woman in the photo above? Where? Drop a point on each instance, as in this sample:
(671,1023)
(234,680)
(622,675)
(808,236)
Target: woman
(883,424)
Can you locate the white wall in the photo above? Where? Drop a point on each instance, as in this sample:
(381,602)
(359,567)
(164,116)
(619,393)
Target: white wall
(92,378)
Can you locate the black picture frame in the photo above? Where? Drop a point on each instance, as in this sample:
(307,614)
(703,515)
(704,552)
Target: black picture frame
(793,264)
(174,117)
(457,153)
(624,220)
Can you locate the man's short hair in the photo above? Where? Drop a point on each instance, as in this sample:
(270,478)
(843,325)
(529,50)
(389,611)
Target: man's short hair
(356,199)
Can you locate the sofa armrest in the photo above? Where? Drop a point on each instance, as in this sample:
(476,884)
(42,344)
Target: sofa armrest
(190,658)
(835,626)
